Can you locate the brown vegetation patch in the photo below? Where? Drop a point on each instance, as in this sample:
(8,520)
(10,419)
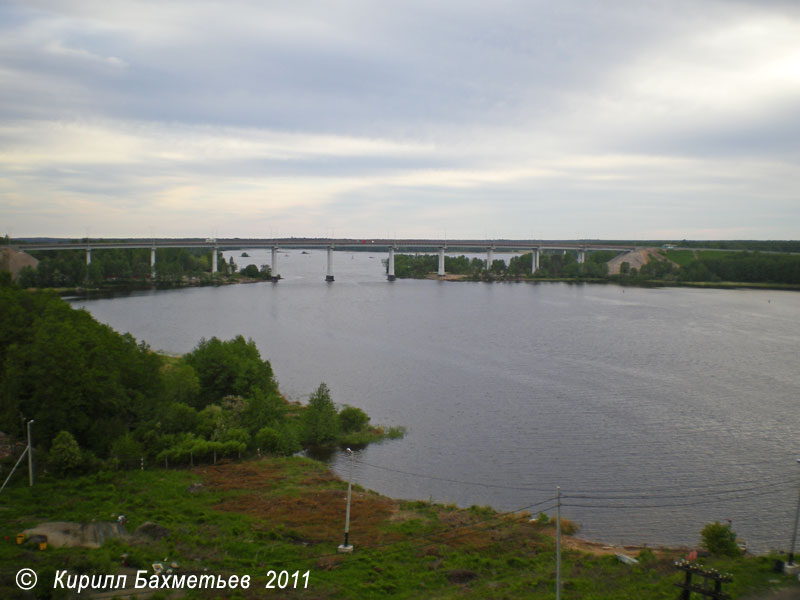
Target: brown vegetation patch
(318,515)
(241,476)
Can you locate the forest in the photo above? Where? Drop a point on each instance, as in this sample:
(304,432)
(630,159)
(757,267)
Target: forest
(100,399)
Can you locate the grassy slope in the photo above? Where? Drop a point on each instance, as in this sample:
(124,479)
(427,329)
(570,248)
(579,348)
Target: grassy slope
(247,518)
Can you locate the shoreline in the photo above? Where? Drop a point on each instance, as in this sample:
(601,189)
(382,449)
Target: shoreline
(650,283)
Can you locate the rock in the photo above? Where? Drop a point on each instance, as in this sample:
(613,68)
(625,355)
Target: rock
(64,533)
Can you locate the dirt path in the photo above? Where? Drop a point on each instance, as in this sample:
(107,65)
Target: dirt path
(636,259)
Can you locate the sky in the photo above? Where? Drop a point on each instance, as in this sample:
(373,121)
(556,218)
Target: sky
(575,119)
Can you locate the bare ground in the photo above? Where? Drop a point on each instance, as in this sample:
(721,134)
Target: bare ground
(636,259)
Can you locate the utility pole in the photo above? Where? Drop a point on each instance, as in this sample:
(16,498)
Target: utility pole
(30,455)
(558,543)
(794,534)
(347,546)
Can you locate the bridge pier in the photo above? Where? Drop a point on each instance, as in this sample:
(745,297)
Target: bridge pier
(273,265)
(88,256)
(153,262)
(441,261)
(214,252)
(489,258)
(329,276)
(390,272)
(534,260)
(581,256)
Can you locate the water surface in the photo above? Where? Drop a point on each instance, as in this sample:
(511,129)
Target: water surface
(669,408)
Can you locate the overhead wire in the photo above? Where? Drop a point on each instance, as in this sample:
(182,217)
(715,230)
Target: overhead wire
(686,490)
(674,504)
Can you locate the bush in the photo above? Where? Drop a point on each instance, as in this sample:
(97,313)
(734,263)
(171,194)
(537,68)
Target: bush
(352,419)
(277,440)
(65,454)
(719,539)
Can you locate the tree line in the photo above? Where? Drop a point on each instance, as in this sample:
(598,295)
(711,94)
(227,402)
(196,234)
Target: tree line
(129,266)
(551,265)
(101,399)
(713,267)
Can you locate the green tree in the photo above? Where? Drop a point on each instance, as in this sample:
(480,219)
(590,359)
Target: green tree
(263,409)
(65,454)
(280,439)
(180,383)
(320,419)
(719,539)
(230,368)
(177,417)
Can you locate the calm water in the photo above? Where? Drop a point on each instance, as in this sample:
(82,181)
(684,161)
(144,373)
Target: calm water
(669,407)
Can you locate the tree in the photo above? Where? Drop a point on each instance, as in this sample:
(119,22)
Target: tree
(320,419)
(65,454)
(250,271)
(230,368)
(278,440)
(720,539)
(262,410)
(180,382)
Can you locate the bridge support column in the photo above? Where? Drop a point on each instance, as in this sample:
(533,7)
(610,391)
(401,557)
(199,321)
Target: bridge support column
(441,262)
(214,252)
(88,256)
(390,272)
(489,258)
(534,260)
(153,262)
(273,265)
(329,276)
(581,256)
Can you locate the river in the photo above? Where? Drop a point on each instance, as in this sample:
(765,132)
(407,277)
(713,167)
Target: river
(656,411)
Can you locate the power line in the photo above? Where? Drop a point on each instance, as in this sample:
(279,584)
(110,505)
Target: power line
(674,505)
(781,484)
(712,488)
(461,482)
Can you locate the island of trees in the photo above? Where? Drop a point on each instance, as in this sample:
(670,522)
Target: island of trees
(101,399)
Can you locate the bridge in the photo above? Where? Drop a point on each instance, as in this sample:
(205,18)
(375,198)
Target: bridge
(535,247)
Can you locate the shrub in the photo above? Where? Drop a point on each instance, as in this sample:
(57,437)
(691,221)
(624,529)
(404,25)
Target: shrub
(277,440)
(65,454)
(352,419)
(719,539)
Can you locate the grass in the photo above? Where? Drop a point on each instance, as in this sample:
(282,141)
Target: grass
(680,257)
(246,518)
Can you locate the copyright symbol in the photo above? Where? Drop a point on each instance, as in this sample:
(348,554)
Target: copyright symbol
(26,579)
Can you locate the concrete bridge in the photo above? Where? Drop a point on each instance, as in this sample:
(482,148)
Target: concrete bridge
(391,246)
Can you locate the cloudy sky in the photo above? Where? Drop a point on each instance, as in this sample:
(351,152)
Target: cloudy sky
(532,119)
